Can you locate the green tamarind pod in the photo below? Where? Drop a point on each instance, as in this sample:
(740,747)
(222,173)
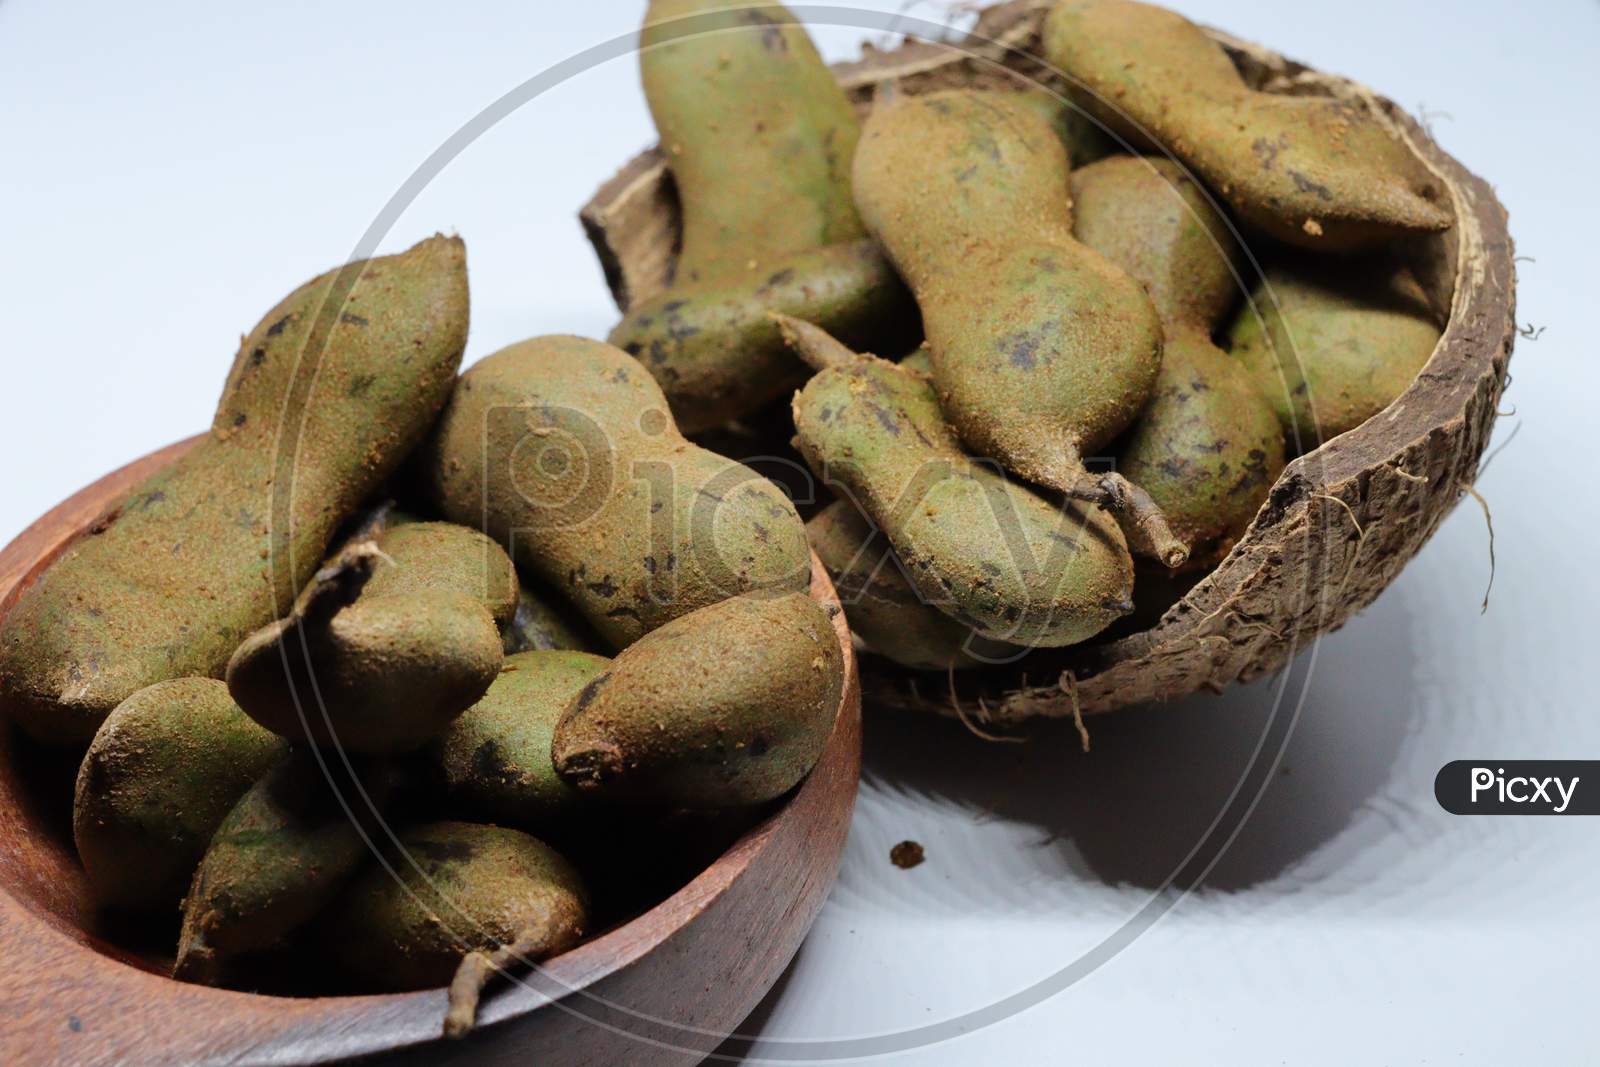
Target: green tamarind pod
(1042,350)
(758,134)
(759,137)
(1315,171)
(719,357)
(326,397)
(461,901)
(279,857)
(995,555)
(567,454)
(539,619)
(542,622)
(726,707)
(161,773)
(445,557)
(1208,446)
(1332,344)
(495,759)
(1083,138)
(884,608)
(388,644)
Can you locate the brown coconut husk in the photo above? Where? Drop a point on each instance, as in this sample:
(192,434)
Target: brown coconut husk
(1339,523)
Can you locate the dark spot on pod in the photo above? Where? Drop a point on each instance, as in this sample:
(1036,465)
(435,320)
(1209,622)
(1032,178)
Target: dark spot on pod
(885,418)
(782,277)
(590,691)
(772,38)
(489,765)
(278,327)
(1306,185)
(1021,349)
(350,318)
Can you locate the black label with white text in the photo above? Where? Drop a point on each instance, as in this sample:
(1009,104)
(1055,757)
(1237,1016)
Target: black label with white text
(1519,787)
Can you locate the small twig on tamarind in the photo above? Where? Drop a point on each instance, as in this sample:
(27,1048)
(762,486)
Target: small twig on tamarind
(1141,518)
(815,347)
(476,970)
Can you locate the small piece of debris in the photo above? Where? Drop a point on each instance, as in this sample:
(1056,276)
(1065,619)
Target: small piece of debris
(906,855)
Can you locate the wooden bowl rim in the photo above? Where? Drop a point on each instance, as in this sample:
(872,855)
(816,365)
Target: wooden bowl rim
(410,1018)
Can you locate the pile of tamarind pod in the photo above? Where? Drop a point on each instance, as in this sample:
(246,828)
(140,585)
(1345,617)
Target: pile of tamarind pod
(413,746)
(407,675)
(1106,388)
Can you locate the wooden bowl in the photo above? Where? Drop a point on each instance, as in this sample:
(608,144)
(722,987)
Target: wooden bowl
(681,976)
(1339,523)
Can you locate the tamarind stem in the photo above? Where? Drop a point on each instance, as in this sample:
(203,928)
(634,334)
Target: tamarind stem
(337,585)
(816,347)
(196,962)
(476,970)
(1142,521)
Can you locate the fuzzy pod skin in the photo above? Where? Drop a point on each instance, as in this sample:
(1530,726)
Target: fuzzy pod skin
(758,134)
(1042,350)
(389,643)
(1332,344)
(168,583)
(278,859)
(445,557)
(160,775)
(717,354)
(566,449)
(992,553)
(1208,446)
(760,139)
(1084,139)
(542,623)
(460,888)
(495,759)
(884,608)
(1316,172)
(726,707)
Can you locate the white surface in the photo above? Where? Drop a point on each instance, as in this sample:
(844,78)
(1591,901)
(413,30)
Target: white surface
(170,172)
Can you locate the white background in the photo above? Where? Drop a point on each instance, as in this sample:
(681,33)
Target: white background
(168,171)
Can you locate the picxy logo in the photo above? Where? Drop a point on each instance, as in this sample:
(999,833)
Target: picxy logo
(1518,787)
(1521,789)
